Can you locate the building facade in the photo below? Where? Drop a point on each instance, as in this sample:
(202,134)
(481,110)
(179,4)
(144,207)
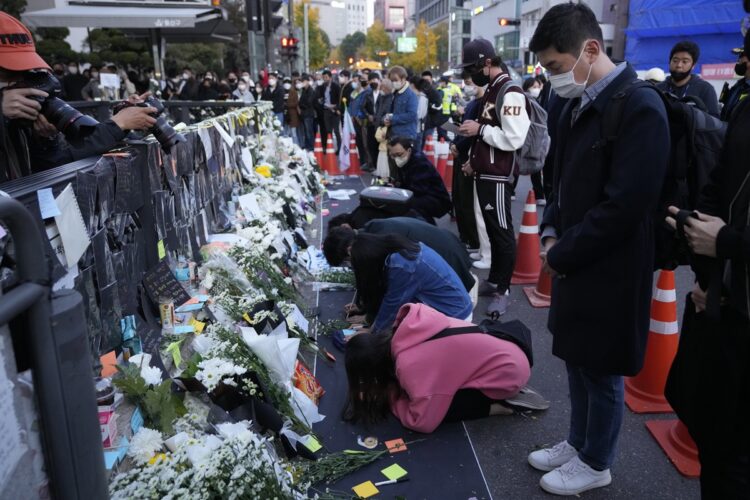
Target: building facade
(393,14)
(356,16)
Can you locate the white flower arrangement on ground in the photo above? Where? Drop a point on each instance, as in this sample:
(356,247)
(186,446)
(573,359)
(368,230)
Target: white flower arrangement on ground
(212,372)
(144,445)
(237,464)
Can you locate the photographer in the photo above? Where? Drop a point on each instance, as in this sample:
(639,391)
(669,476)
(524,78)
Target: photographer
(28,141)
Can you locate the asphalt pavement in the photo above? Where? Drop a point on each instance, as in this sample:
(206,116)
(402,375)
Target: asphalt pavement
(501,444)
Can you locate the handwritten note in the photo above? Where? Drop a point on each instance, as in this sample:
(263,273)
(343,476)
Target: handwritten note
(47,205)
(396,445)
(160,282)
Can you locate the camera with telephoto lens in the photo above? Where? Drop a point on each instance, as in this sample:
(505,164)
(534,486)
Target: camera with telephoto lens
(64,117)
(162,130)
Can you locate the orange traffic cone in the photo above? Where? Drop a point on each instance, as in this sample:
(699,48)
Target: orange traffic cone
(429,150)
(673,437)
(540,295)
(442,165)
(331,162)
(449,173)
(644,393)
(528,264)
(354,158)
(318,150)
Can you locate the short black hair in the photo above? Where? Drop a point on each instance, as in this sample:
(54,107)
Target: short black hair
(414,80)
(305,77)
(326,72)
(406,142)
(339,221)
(345,73)
(373,75)
(686,46)
(336,245)
(528,83)
(565,27)
(295,73)
(427,73)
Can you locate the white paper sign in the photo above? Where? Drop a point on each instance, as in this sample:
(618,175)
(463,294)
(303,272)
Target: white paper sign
(223,133)
(109,80)
(249,205)
(75,237)
(300,320)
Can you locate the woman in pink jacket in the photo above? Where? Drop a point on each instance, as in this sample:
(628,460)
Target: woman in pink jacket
(425,382)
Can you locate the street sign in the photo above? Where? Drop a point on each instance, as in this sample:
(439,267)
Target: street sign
(406,44)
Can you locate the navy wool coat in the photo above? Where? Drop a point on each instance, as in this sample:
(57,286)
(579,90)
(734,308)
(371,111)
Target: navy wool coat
(603,210)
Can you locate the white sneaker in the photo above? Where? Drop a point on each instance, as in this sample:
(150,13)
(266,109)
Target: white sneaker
(574,478)
(480,264)
(551,458)
(475,256)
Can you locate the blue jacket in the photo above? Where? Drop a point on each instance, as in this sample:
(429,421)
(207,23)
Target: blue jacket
(404,119)
(357,109)
(603,211)
(427,279)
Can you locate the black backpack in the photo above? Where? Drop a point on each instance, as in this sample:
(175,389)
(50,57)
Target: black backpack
(512,331)
(696,142)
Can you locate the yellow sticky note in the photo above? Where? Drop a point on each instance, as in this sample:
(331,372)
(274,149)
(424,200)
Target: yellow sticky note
(366,490)
(394,472)
(246,317)
(161,250)
(198,326)
(310,218)
(313,444)
(174,350)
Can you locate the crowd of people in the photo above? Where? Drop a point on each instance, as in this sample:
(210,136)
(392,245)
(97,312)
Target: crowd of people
(604,183)
(417,353)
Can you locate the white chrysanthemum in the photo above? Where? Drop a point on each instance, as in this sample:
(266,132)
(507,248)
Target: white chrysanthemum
(151,375)
(145,444)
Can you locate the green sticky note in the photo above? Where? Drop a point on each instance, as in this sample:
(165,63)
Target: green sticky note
(161,250)
(174,350)
(313,444)
(394,472)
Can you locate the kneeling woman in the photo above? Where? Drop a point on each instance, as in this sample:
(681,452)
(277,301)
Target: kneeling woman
(425,382)
(392,270)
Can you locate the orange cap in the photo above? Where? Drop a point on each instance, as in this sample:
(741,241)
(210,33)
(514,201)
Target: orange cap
(17,50)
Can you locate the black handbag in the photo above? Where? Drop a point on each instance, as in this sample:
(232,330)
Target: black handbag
(512,331)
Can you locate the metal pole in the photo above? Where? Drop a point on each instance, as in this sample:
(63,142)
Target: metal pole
(450,36)
(252,55)
(305,8)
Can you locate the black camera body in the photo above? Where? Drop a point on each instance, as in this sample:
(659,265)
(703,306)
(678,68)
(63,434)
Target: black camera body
(162,130)
(64,117)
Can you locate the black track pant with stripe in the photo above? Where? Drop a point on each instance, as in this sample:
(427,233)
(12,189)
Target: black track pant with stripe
(494,199)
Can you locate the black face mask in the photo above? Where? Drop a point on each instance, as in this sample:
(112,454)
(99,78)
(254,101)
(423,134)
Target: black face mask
(740,69)
(374,86)
(678,76)
(479,78)
(59,72)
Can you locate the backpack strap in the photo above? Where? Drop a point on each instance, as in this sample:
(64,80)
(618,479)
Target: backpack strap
(449,332)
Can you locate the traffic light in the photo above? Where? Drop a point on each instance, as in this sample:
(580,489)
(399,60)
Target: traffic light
(504,21)
(293,48)
(271,20)
(254,15)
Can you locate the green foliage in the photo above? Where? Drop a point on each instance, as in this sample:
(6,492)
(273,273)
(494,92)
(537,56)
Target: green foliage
(235,54)
(163,407)
(159,406)
(320,45)
(112,46)
(200,57)
(351,44)
(13,7)
(377,40)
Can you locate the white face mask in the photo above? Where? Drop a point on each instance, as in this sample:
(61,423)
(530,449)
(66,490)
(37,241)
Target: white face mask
(287,86)
(272,82)
(534,92)
(73,70)
(246,78)
(241,87)
(299,86)
(355,85)
(565,83)
(401,160)
(185,76)
(397,85)
(319,82)
(259,89)
(342,80)
(470,90)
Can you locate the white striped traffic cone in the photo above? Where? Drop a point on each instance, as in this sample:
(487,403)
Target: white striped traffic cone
(528,264)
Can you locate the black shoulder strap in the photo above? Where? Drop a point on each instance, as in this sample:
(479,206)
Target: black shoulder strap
(613,111)
(449,332)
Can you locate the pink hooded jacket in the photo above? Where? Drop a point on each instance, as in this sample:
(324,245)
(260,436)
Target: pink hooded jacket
(431,372)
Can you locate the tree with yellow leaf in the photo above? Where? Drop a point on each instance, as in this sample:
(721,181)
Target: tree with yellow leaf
(318,46)
(426,54)
(377,40)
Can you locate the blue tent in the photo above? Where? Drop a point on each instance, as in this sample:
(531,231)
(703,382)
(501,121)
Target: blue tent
(656,25)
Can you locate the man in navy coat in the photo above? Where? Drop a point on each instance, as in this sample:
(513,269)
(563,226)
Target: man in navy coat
(598,240)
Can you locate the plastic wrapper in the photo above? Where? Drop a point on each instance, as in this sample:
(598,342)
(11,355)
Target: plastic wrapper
(306,382)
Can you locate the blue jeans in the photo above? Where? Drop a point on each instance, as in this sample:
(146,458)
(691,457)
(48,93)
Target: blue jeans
(308,133)
(280,117)
(596,412)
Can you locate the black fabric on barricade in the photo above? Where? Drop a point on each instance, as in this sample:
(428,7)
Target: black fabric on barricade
(439,465)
